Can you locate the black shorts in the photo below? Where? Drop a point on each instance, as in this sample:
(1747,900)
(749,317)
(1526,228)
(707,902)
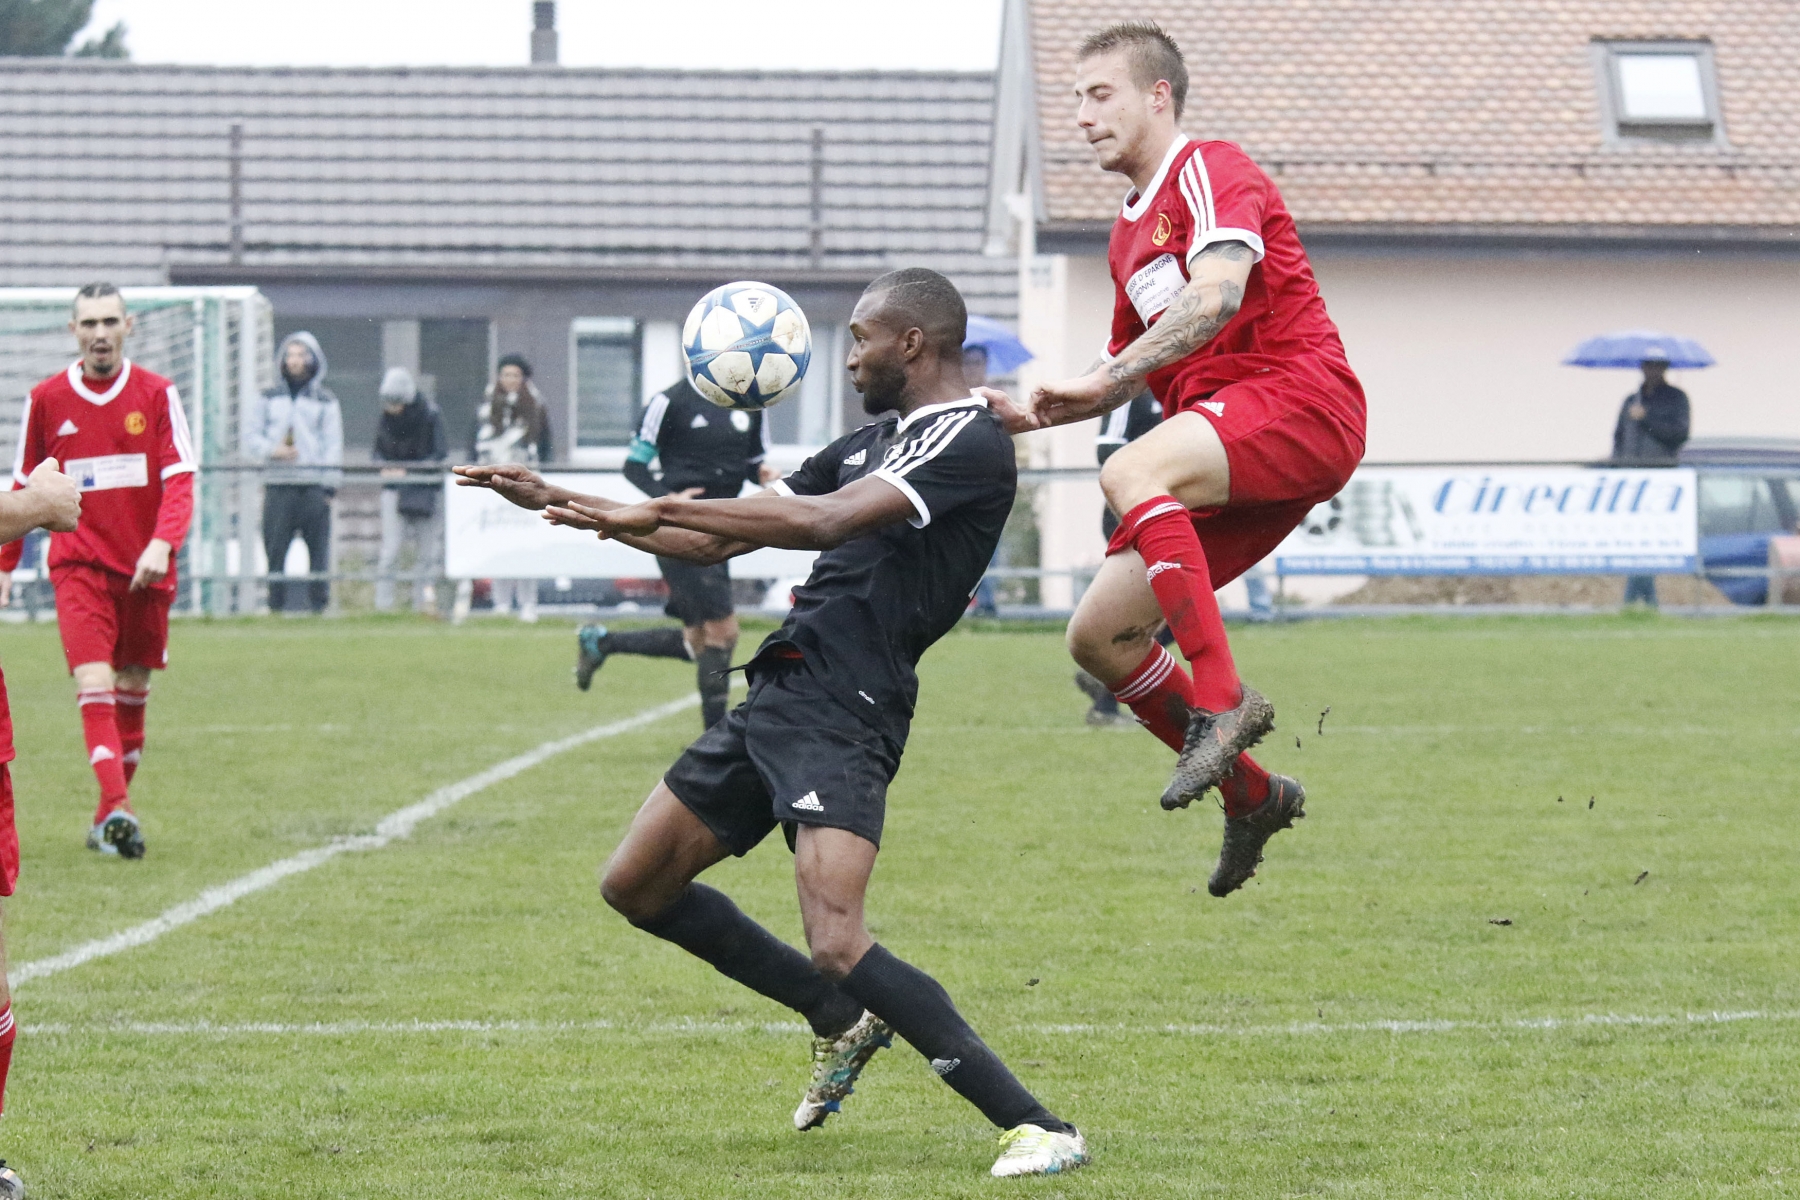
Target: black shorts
(788,755)
(697,593)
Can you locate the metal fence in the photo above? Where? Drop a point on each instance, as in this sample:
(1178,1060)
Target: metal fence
(224,568)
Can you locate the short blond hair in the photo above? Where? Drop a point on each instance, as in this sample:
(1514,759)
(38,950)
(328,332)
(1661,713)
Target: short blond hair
(1149,49)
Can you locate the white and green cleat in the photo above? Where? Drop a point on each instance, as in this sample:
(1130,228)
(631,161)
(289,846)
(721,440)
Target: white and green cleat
(836,1064)
(1031,1150)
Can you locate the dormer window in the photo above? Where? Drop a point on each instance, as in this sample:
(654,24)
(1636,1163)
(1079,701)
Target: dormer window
(1658,91)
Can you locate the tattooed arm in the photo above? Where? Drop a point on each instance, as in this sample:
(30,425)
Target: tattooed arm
(1206,305)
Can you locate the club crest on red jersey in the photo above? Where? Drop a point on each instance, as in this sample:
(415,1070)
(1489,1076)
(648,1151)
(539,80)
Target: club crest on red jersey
(135,423)
(1164,230)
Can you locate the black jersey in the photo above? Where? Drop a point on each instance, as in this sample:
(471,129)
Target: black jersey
(698,443)
(873,605)
(1127,423)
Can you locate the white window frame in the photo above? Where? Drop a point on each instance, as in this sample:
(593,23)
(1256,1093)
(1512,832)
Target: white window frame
(606,457)
(1619,130)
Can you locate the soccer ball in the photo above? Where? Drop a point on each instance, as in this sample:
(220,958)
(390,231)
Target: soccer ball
(747,345)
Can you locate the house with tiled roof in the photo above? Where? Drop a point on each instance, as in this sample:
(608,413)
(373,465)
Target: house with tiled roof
(436,218)
(1480,184)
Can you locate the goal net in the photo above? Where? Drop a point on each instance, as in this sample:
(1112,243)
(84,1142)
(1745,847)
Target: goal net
(216,343)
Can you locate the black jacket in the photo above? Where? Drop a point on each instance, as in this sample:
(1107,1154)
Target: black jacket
(413,437)
(1656,437)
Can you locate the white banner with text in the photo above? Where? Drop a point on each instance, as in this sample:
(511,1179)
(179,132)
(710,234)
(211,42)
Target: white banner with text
(488,538)
(1500,521)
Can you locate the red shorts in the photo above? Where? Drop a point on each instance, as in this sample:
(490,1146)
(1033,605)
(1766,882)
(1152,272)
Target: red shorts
(9,834)
(1292,440)
(102,620)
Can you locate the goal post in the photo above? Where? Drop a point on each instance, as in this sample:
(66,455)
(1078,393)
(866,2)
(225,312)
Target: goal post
(217,345)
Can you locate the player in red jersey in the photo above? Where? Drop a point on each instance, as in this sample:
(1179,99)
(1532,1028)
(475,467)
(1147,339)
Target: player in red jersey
(1216,309)
(121,435)
(49,500)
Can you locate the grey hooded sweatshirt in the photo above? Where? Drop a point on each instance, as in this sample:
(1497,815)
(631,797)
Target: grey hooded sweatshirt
(308,419)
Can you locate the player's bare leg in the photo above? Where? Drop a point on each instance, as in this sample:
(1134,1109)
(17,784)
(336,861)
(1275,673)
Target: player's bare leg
(650,881)
(115,829)
(1152,484)
(10,1186)
(1112,636)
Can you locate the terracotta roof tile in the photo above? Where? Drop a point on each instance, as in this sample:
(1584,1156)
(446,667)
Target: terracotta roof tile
(1450,113)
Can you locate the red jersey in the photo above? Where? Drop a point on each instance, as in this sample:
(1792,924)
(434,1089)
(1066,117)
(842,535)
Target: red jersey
(1208,192)
(129,451)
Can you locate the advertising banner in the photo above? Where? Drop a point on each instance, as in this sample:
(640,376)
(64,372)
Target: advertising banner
(488,538)
(1500,521)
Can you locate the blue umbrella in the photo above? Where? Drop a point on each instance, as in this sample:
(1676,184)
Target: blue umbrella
(1631,347)
(1005,352)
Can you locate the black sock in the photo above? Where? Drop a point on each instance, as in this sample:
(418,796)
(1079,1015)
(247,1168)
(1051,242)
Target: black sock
(921,1012)
(706,924)
(653,643)
(715,684)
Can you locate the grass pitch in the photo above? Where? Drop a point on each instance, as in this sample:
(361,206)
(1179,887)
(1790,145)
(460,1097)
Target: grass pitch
(457,1015)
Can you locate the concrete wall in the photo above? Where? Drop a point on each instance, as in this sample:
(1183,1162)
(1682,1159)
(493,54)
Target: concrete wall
(1459,352)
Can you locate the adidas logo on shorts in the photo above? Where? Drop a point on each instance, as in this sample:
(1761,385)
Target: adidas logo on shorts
(943,1066)
(809,802)
(1215,407)
(1156,569)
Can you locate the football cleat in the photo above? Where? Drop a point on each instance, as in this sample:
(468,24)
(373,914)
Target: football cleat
(97,843)
(590,652)
(1214,740)
(11,1186)
(836,1064)
(120,831)
(1033,1150)
(1246,836)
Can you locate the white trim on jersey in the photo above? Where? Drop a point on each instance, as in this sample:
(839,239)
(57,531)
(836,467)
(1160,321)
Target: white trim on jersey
(1138,203)
(20,479)
(931,410)
(181,436)
(903,460)
(1196,187)
(781,488)
(654,412)
(1228,234)
(75,377)
(1113,425)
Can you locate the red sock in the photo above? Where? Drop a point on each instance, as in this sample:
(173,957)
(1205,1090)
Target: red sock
(130,715)
(1162,532)
(100,722)
(1160,695)
(8,1031)
(1245,788)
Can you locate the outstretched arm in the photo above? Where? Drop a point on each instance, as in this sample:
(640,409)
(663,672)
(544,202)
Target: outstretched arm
(767,519)
(529,490)
(1214,292)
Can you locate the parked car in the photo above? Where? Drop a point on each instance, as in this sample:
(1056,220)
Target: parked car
(1749,492)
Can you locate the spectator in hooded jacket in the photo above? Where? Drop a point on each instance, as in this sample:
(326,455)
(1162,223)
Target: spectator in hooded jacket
(300,433)
(510,427)
(410,434)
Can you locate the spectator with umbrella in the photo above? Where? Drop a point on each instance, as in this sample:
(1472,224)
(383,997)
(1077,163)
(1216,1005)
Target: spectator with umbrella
(1653,421)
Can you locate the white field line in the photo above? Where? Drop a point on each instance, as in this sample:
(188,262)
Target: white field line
(786,1028)
(396,825)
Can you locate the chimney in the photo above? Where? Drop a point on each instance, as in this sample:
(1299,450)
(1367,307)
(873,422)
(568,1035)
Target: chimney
(543,33)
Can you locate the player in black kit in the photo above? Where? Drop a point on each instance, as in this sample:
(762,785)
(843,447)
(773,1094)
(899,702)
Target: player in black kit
(906,512)
(704,451)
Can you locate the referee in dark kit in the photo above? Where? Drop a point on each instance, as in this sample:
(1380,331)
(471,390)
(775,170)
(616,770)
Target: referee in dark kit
(706,452)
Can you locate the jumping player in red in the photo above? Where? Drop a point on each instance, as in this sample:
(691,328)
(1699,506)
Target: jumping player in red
(121,435)
(1217,310)
(50,500)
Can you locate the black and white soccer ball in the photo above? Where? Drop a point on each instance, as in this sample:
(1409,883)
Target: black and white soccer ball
(748,346)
